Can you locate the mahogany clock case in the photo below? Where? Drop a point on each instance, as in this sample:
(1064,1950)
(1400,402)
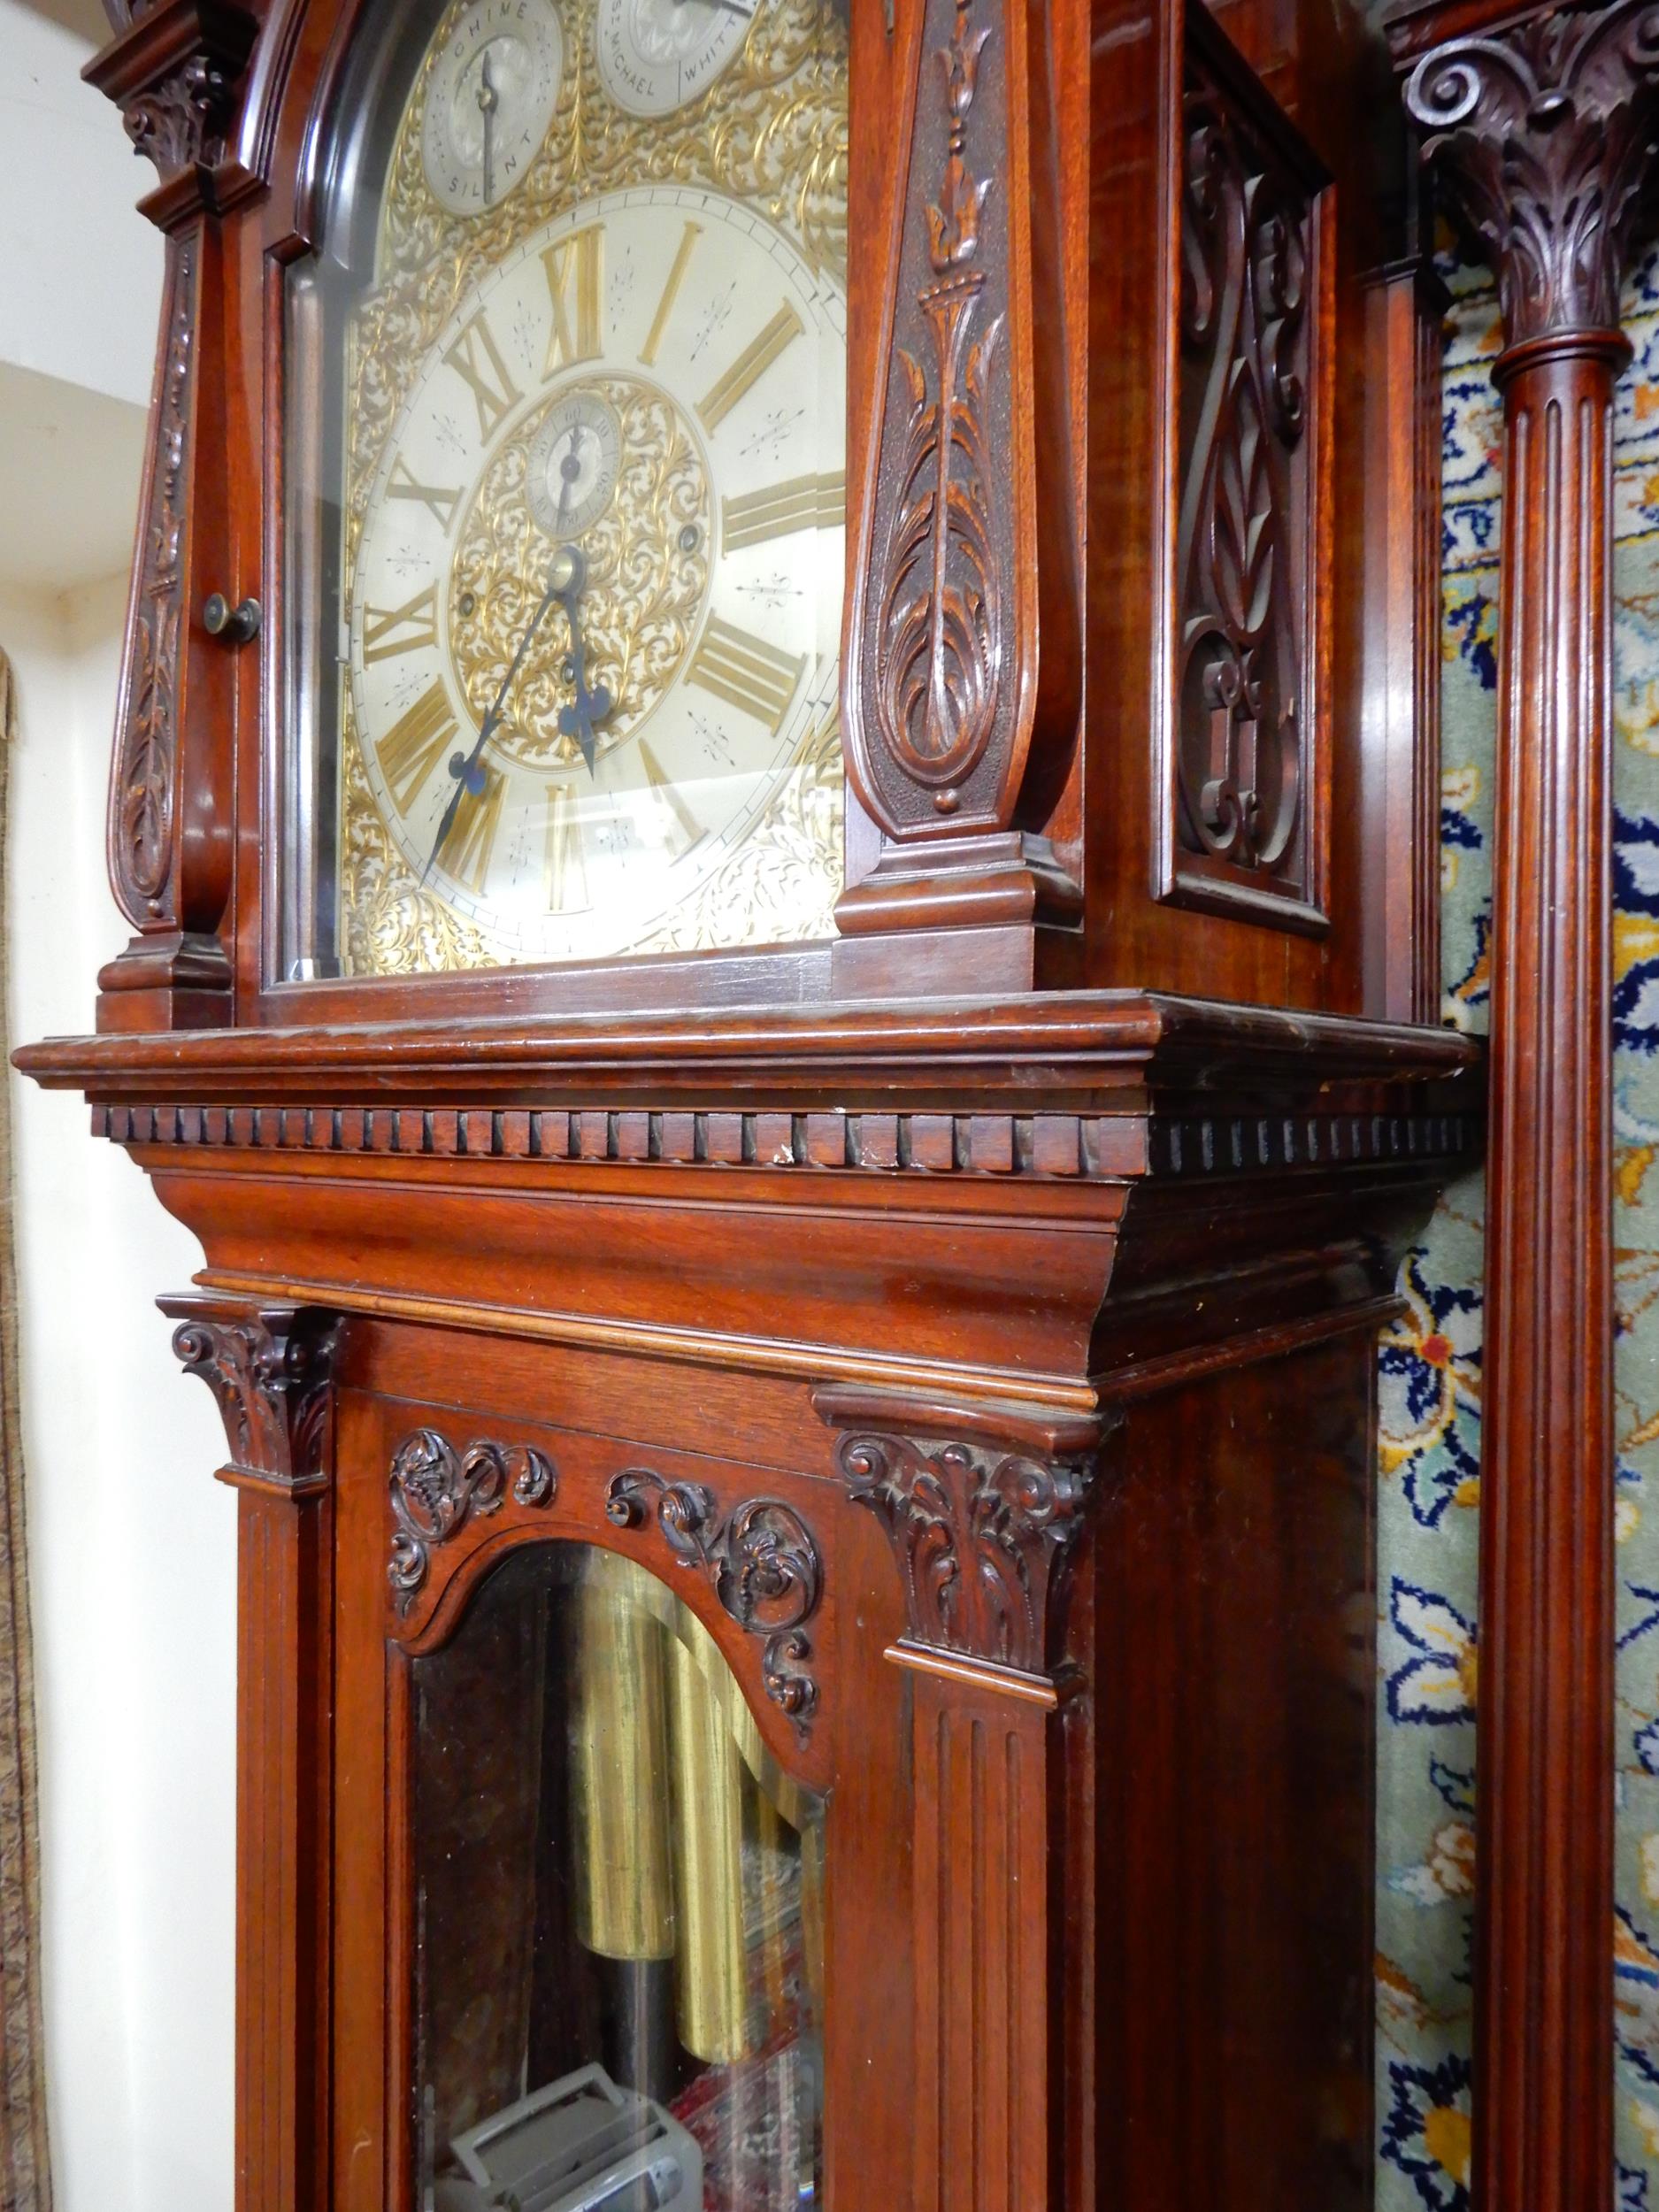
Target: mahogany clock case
(957,1335)
(1082,857)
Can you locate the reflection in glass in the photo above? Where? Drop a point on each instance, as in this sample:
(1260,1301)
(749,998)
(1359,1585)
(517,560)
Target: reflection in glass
(618,1902)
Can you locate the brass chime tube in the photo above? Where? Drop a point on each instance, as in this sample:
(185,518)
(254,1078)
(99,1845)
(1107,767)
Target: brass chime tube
(625,1883)
(711,1986)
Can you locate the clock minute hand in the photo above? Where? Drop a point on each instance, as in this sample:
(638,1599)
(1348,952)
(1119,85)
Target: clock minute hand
(467,768)
(727,7)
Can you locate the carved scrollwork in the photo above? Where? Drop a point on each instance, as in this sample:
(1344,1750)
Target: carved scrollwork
(766,1566)
(176,75)
(1245,547)
(270,1371)
(182,121)
(940,638)
(436,1490)
(1545,134)
(980,1538)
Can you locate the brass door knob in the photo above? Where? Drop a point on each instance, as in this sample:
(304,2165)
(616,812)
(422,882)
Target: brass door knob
(236,625)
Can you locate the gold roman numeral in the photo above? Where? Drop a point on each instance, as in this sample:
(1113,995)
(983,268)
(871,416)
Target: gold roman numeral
(409,628)
(465,852)
(670,294)
(749,366)
(746,672)
(566,878)
(403,484)
(575,278)
(476,358)
(676,825)
(411,748)
(806,502)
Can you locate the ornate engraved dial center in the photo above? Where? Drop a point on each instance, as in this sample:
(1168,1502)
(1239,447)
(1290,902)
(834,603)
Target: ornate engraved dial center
(616,458)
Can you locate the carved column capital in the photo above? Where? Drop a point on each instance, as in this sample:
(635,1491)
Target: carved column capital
(272,1369)
(174,70)
(983,1510)
(1545,136)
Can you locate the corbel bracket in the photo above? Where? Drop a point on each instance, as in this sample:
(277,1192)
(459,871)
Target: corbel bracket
(983,1506)
(272,1369)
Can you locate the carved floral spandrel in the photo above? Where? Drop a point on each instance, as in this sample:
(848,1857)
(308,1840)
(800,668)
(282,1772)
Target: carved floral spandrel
(766,1566)
(1546,137)
(982,1538)
(435,1490)
(1245,557)
(271,1371)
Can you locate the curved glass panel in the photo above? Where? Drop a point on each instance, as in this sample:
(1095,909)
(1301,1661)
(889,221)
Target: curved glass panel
(619,1907)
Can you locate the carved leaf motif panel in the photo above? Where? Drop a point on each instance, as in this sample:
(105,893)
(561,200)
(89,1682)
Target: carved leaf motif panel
(936,706)
(1244,797)
(142,802)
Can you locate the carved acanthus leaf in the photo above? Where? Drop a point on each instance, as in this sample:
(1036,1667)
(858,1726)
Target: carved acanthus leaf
(270,1370)
(941,598)
(982,1538)
(765,1567)
(1545,136)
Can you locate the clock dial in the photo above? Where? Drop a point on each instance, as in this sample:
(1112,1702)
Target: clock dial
(494,88)
(564,489)
(653,384)
(656,56)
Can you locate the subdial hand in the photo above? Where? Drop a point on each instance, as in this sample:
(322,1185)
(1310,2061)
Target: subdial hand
(566,574)
(488,101)
(580,719)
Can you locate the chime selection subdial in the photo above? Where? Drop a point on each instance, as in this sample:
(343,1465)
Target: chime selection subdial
(656,56)
(494,88)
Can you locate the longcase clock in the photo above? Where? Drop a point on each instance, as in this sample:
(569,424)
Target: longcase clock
(775,785)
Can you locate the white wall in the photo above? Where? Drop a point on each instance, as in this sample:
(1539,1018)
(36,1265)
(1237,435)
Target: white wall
(131,1543)
(78,273)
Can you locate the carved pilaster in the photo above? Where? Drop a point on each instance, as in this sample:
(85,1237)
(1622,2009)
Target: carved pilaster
(1545,138)
(272,1369)
(984,1507)
(175,70)
(962,684)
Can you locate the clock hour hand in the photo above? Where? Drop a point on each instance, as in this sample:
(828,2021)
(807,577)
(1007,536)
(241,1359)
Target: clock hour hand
(580,719)
(727,7)
(468,768)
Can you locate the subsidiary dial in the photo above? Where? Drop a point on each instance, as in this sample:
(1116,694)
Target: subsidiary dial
(572,474)
(656,56)
(494,88)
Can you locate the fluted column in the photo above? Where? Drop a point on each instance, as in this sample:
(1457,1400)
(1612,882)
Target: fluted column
(1542,137)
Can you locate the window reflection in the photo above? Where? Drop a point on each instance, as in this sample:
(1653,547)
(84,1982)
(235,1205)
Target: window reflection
(619,1899)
